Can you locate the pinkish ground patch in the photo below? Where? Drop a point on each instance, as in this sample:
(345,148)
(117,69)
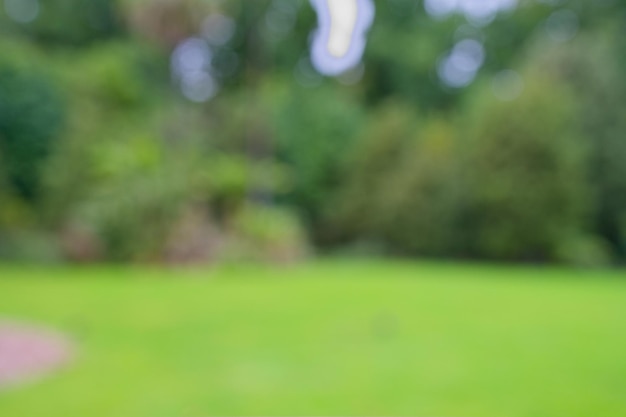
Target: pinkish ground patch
(28,352)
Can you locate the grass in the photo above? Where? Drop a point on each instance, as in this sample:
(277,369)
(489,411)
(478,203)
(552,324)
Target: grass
(330,338)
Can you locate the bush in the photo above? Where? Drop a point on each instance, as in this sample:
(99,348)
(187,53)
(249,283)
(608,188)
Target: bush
(26,245)
(75,22)
(358,207)
(130,217)
(31,117)
(525,171)
(139,186)
(114,115)
(586,251)
(594,67)
(265,233)
(314,130)
(422,201)
(402,191)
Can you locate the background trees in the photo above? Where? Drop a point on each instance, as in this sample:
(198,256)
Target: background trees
(498,137)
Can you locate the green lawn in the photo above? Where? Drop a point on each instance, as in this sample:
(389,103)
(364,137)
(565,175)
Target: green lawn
(353,338)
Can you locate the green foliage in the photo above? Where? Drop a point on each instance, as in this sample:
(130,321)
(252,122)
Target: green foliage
(594,67)
(137,195)
(402,189)
(112,118)
(387,137)
(314,130)
(525,173)
(585,251)
(102,158)
(114,76)
(31,118)
(30,246)
(75,22)
(422,202)
(265,233)
(393,71)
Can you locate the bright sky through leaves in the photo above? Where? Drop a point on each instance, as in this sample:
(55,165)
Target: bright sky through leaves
(341,34)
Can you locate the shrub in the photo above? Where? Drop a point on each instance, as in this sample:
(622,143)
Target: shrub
(594,67)
(31,117)
(314,130)
(75,22)
(402,190)
(587,251)
(525,171)
(422,201)
(358,208)
(265,233)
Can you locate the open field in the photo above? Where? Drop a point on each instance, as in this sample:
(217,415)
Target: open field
(330,338)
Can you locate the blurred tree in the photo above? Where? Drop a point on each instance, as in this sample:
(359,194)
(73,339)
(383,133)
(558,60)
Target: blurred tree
(31,118)
(358,208)
(391,152)
(75,22)
(314,131)
(525,173)
(402,187)
(422,202)
(593,66)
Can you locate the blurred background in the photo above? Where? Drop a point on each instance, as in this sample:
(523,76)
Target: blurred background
(198,130)
(161,133)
